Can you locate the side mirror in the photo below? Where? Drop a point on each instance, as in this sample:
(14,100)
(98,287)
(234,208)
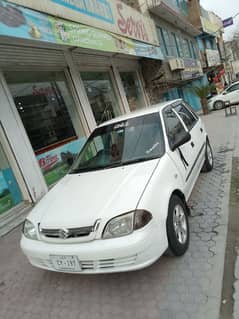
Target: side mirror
(183,140)
(70,161)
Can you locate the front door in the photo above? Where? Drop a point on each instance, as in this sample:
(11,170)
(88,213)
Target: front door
(184,156)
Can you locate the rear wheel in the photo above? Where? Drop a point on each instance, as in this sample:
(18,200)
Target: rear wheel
(208,163)
(177,227)
(218,105)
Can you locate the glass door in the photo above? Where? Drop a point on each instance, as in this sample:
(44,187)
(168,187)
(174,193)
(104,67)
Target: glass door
(10,194)
(101,94)
(133,90)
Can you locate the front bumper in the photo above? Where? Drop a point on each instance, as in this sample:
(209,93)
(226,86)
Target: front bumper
(132,252)
(210,105)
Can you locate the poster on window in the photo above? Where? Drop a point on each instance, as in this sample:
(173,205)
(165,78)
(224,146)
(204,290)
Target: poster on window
(56,163)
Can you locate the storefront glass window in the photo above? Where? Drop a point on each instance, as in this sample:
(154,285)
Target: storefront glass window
(47,110)
(101,95)
(132,90)
(10,194)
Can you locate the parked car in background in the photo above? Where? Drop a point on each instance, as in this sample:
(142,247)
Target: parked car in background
(231,94)
(124,201)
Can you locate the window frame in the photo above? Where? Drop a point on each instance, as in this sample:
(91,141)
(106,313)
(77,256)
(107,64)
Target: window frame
(237,84)
(195,118)
(172,107)
(162,39)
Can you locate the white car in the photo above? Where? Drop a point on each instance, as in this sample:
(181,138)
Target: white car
(231,94)
(124,201)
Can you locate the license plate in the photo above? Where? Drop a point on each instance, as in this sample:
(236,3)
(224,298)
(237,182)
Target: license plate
(67,263)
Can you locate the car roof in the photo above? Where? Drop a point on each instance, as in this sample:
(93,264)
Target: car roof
(147,110)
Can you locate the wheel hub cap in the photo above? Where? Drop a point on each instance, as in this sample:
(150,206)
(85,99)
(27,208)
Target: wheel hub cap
(209,154)
(180,224)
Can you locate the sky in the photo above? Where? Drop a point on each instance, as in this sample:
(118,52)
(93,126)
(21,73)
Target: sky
(224,9)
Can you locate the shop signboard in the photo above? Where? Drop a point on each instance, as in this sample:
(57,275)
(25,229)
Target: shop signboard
(108,15)
(213,57)
(192,69)
(54,163)
(227,22)
(25,23)
(211,23)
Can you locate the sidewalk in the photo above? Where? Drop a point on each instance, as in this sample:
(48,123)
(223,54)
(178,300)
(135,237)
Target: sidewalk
(173,288)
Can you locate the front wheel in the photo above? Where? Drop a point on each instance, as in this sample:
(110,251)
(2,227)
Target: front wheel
(208,163)
(177,227)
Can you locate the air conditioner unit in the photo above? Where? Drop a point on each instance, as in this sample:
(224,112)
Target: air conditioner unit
(176,64)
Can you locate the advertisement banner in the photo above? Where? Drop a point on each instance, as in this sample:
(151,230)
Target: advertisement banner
(213,57)
(192,69)
(25,23)
(55,163)
(109,15)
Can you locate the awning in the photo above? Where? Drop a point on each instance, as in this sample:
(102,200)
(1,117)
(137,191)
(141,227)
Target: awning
(20,22)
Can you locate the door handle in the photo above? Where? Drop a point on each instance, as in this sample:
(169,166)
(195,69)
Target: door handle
(192,144)
(201,129)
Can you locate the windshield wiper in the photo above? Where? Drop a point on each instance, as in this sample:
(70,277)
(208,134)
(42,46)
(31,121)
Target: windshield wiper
(140,159)
(85,169)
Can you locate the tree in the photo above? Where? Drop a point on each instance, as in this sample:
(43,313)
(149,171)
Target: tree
(202,92)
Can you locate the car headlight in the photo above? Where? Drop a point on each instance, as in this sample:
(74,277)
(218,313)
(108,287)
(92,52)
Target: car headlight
(125,224)
(29,230)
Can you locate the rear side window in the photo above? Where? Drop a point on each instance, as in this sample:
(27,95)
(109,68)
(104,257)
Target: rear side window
(188,118)
(233,88)
(174,128)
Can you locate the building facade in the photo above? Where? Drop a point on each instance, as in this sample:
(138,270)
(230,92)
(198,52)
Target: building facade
(60,76)
(210,42)
(181,69)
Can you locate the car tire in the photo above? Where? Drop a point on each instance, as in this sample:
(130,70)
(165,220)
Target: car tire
(209,160)
(218,105)
(177,227)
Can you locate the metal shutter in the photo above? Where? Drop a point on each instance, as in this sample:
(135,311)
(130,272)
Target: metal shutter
(20,58)
(88,59)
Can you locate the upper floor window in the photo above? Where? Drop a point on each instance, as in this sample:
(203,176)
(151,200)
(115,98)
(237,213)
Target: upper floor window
(186,48)
(162,41)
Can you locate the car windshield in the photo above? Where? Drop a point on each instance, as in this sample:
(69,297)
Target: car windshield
(125,142)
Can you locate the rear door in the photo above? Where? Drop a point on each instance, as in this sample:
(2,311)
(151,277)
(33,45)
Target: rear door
(196,129)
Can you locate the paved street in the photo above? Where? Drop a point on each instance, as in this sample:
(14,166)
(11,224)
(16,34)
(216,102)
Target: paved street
(182,288)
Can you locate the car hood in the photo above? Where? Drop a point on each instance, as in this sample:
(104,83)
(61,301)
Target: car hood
(80,199)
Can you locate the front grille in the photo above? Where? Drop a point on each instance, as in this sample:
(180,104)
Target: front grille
(67,233)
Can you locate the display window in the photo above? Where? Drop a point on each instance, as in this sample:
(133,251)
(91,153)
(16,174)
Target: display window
(101,94)
(10,194)
(133,90)
(47,110)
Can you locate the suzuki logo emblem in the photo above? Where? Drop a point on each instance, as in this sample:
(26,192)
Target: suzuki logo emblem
(64,233)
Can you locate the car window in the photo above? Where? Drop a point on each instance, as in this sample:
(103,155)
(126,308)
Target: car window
(174,128)
(129,141)
(233,88)
(186,115)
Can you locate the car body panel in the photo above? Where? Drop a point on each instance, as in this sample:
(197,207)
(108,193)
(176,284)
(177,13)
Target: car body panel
(231,94)
(127,183)
(80,200)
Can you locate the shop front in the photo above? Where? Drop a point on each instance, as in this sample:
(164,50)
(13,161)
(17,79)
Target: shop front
(10,193)
(56,84)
